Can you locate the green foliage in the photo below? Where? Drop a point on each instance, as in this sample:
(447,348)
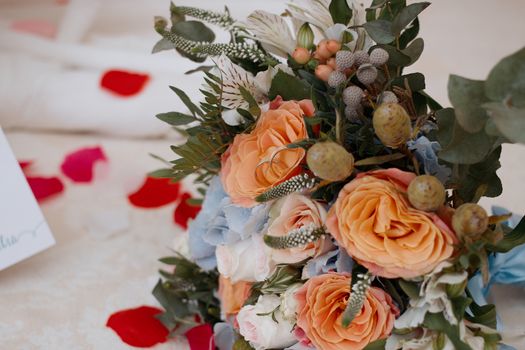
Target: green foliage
(380,31)
(376,345)
(506,81)
(187,291)
(340,11)
(288,87)
(406,16)
(437,322)
(512,239)
(176,118)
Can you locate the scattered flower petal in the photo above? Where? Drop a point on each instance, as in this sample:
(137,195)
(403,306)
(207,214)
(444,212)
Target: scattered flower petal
(34,26)
(155,193)
(45,187)
(138,327)
(184,211)
(78,165)
(123,83)
(25,164)
(201,337)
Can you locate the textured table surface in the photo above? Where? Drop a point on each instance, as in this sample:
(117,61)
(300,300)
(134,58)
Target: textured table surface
(61,298)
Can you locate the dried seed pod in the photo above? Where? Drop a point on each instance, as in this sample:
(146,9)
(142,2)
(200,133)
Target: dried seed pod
(392,124)
(330,161)
(352,113)
(387,97)
(336,79)
(361,57)
(344,60)
(352,96)
(379,57)
(426,193)
(470,221)
(367,74)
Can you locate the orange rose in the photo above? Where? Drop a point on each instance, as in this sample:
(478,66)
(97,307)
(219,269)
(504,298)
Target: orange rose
(259,160)
(292,212)
(233,295)
(373,220)
(321,303)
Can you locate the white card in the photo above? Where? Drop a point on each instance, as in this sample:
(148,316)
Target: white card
(23,229)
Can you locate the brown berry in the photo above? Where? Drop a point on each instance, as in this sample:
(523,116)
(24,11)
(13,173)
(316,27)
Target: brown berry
(470,221)
(330,161)
(333,46)
(392,124)
(426,193)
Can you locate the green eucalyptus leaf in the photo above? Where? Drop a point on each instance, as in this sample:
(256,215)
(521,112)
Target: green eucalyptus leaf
(376,345)
(459,146)
(466,96)
(396,57)
(509,120)
(481,175)
(288,87)
(414,50)
(512,239)
(506,81)
(439,323)
(162,45)
(340,11)
(409,34)
(193,30)
(406,16)
(380,31)
(175,118)
(416,81)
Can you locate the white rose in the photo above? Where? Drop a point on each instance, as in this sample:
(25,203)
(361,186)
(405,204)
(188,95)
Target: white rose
(257,326)
(289,303)
(245,260)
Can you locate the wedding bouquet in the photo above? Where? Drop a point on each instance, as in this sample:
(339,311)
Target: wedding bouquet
(339,198)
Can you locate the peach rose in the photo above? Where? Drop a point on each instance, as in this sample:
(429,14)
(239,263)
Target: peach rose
(233,295)
(373,220)
(259,160)
(292,212)
(321,303)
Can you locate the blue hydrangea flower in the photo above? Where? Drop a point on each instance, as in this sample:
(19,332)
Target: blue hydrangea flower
(334,260)
(425,151)
(221,222)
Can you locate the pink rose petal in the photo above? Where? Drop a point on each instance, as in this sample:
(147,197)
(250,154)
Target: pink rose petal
(78,166)
(35,26)
(45,187)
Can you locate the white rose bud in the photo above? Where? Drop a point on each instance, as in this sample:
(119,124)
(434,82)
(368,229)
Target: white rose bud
(245,260)
(289,303)
(257,326)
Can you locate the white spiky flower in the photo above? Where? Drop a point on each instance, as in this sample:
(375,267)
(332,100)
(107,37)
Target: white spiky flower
(314,12)
(272,31)
(234,76)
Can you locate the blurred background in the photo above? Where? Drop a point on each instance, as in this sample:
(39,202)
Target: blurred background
(79,73)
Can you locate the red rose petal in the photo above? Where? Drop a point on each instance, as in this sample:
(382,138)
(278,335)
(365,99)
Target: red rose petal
(201,337)
(139,327)
(184,212)
(123,83)
(78,166)
(155,193)
(24,164)
(45,187)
